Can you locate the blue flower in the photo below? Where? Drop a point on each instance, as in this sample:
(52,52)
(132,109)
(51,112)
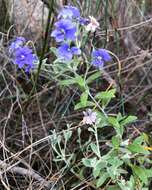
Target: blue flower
(65,52)
(65,30)
(17,43)
(99,57)
(24,58)
(69,12)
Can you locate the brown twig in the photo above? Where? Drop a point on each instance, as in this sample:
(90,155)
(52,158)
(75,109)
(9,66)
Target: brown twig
(24,172)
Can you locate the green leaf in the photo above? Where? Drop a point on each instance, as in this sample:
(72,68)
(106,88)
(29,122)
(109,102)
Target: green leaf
(131,183)
(124,186)
(102,179)
(116,162)
(147,138)
(93,77)
(128,120)
(140,173)
(113,187)
(86,162)
(114,171)
(95,149)
(96,172)
(80,81)
(84,98)
(148,172)
(127,185)
(102,120)
(139,139)
(114,122)
(106,96)
(137,148)
(116,141)
(80,105)
(97,169)
(89,162)
(67,82)
(67,135)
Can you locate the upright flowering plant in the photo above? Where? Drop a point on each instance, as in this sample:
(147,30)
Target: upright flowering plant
(78,66)
(107,166)
(70,28)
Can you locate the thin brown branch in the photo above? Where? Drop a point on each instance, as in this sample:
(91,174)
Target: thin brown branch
(24,172)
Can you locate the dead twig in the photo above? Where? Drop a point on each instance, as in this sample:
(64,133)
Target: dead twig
(24,172)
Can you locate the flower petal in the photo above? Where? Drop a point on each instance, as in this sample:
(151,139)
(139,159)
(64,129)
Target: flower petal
(76,51)
(96,54)
(70,12)
(71,34)
(64,52)
(105,55)
(64,24)
(97,63)
(58,35)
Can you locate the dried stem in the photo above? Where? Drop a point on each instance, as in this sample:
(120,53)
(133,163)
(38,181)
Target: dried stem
(25,172)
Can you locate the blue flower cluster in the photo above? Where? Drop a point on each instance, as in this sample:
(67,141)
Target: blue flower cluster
(22,55)
(65,32)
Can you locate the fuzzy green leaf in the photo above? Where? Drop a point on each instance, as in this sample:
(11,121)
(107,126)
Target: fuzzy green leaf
(140,173)
(67,82)
(80,105)
(93,77)
(128,120)
(95,149)
(84,98)
(102,179)
(137,148)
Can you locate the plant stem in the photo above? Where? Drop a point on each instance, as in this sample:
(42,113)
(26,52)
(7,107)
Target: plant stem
(97,140)
(43,49)
(45,41)
(49,23)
